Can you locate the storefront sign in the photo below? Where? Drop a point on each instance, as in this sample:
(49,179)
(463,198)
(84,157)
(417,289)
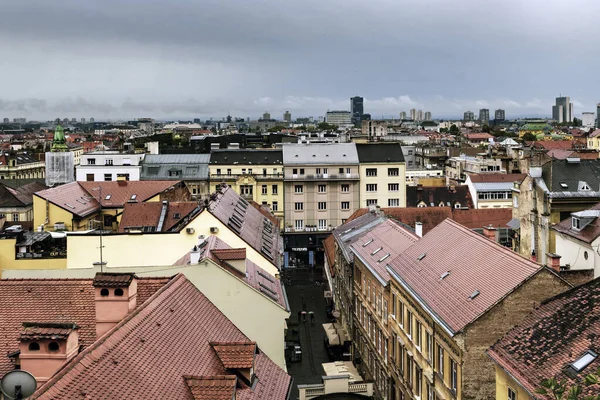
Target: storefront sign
(299,249)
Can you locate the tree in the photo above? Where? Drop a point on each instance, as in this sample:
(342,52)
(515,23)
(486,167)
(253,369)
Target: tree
(454,129)
(324,126)
(485,128)
(529,137)
(560,390)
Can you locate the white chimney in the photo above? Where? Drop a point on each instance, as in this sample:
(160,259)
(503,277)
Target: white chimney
(195,256)
(419,229)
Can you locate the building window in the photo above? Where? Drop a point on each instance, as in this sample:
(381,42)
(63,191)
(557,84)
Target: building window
(409,371)
(430,392)
(371,187)
(512,395)
(274,189)
(322,188)
(429,340)
(418,335)
(15,217)
(246,190)
(409,324)
(393,202)
(400,316)
(318,171)
(108,161)
(107,177)
(440,361)
(125,176)
(345,188)
(89,177)
(393,187)
(91,161)
(371,202)
(264,172)
(385,311)
(418,381)
(371,171)
(453,375)
(299,224)
(249,171)
(348,170)
(219,171)
(322,205)
(322,224)
(298,189)
(299,206)
(344,220)
(341,170)
(301,171)
(263,189)
(275,206)
(229,171)
(393,171)
(345,205)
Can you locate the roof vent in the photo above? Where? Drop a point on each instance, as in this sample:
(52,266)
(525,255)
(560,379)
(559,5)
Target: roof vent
(376,251)
(421,256)
(383,258)
(368,242)
(474,294)
(445,274)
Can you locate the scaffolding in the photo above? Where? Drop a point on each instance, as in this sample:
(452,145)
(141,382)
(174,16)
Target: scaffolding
(60,168)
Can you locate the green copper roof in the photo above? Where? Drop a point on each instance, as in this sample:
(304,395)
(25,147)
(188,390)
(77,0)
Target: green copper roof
(59,141)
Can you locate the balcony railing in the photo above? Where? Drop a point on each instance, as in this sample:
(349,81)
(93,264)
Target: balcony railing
(320,177)
(258,177)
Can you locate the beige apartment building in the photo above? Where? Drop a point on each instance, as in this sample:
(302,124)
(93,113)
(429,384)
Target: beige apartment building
(382,173)
(321,191)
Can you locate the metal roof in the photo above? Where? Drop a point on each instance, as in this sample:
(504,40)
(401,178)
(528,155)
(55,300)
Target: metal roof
(320,153)
(492,186)
(177,159)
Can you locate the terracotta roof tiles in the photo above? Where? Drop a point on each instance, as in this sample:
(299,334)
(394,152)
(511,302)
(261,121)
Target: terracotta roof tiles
(552,338)
(140,215)
(115,194)
(219,387)
(229,254)
(147,354)
(112,279)
(37,331)
(493,178)
(235,355)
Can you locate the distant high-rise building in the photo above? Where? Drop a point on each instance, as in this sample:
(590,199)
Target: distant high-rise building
(266,116)
(339,118)
(6,120)
(19,120)
(588,119)
(427,115)
(499,115)
(73,120)
(83,120)
(484,116)
(287,116)
(469,116)
(562,111)
(357,109)
(403,115)
(598,115)
(419,115)
(91,120)
(196,120)
(413,114)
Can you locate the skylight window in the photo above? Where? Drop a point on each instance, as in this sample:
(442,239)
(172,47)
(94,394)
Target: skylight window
(474,294)
(108,197)
(133,197)
(377,250)
(584,360)
(368,242)
(445,274)
(383,258)
(421,256)
(564,185)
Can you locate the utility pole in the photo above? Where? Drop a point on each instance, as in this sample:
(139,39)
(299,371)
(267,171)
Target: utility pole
(101,263)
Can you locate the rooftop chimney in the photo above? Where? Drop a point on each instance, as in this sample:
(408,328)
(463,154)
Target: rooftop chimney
(46,347)
(554,261)
(490,232)
(419,228)
(115,297)
(195,256)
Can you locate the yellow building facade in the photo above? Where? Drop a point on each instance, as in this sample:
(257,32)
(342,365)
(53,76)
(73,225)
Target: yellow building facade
(382,173)
(255,175)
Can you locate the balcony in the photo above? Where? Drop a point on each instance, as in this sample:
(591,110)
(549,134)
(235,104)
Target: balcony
(321,177)
(235,177)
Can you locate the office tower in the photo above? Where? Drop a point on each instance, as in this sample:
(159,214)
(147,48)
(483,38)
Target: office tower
(403,115)
(287,116)
(562,111)
(83,120)
(419,115)
(91,120)
(499,115)
(484,116)
(6,120)
(266,116)
(357,109)
(588,119)
(413,114)
(469,116)
(427,115)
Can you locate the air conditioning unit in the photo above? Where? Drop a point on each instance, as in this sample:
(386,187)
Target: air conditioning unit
(214,229)
(190,231)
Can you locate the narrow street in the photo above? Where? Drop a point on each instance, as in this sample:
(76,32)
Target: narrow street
(304,294)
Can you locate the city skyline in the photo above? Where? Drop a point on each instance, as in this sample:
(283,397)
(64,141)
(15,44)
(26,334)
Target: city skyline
(180,60)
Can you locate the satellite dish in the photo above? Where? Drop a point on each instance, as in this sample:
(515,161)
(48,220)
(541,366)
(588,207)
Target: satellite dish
(18,384)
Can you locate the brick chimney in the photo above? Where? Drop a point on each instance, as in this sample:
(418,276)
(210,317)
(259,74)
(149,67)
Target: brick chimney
(115,297)
(490,232)
(44,348)
(554,261)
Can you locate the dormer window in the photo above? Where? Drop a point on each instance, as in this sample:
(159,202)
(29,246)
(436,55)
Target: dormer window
(576,223)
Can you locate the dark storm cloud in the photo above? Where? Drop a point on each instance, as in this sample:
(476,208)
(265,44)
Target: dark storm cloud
(115,58)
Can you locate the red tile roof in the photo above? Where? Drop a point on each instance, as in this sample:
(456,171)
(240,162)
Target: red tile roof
(558,144)
(377,247)
(235,355)
(148,354)
(71,197)
(493,178)
(229,254)
(37,331)
(247,222)
(588,234)
(478,218)
(67,301)
(329,248)
(478,136)
(117,194)
(220,387)
(475,265)
(594,133)
(112,279)
(139,215)
(552,338)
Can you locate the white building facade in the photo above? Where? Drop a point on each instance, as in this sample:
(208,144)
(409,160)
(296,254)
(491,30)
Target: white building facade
(109,166)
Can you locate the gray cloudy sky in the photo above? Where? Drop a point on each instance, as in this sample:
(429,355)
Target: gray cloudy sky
(205,58)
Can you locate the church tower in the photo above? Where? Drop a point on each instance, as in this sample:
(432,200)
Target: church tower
(60,168)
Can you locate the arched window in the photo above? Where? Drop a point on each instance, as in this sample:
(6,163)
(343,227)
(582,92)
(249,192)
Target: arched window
(53,346)
(104,292)
(34,346)
(118,292)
